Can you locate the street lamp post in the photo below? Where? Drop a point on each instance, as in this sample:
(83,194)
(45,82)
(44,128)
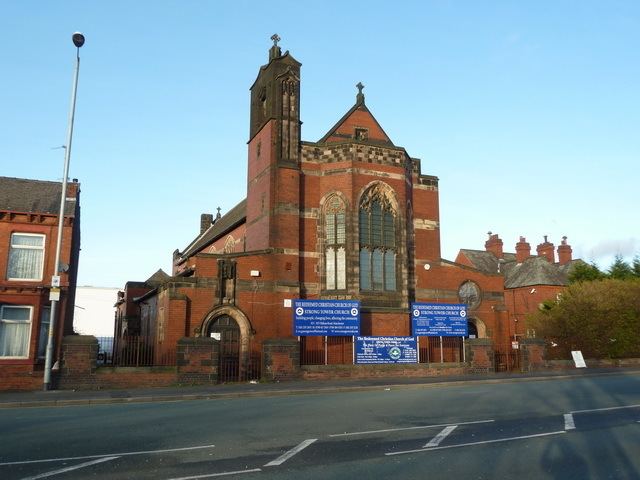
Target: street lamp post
(54,295)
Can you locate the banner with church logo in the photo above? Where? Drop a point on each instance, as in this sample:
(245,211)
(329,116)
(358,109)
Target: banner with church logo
(331,318)
(379,350)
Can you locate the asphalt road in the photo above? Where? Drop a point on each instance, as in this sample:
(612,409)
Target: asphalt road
(577,428)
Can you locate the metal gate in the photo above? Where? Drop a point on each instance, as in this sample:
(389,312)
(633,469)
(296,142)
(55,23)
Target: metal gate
(226,330)
(507,359)
(231,367)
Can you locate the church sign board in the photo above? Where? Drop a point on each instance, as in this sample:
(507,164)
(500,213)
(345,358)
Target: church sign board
(439,319)
(378,350)
(332,318)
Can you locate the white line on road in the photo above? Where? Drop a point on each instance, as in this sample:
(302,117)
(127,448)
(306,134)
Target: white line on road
(347,434)
(475,443)
(569,423)
(605,409)
(286,456)
(211,475)
(70,469)
(437,440)
(64,459)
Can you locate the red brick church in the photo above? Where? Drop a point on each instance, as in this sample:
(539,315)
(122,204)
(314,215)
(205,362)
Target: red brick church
(350,216)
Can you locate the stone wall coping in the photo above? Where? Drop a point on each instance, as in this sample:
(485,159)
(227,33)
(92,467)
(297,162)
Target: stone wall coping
(478,341)
(197,341)
(280,341)
(79,340)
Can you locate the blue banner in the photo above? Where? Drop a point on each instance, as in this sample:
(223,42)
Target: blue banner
(386,350)
(332,318)
(439,319)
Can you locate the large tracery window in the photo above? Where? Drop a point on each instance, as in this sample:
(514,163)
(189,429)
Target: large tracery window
(335,245)
(377,242)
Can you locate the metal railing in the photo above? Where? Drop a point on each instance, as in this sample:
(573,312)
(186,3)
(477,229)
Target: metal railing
(326,350)
(441,349)
(141,351)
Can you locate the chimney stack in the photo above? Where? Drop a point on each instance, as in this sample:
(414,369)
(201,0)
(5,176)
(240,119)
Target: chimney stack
(206,220)
(494,245)
(564,252)
(546,250)
(523,250)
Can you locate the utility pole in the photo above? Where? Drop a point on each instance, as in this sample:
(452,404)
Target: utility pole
(54,295)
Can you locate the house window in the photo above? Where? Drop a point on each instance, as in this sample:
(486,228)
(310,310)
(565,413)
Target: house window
(26,257)
(15,327)
(335,245)
(377,242)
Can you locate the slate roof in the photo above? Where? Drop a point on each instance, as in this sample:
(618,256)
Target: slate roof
(486,261)
(533,271)
(33,196)
(234,217)
(157,278)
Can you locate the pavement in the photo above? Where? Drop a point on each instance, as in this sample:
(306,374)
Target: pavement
(60,398)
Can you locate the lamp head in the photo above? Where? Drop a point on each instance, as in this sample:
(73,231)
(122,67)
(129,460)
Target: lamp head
(78,39)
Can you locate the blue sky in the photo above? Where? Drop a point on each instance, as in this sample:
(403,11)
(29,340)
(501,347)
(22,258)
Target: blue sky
(528,112)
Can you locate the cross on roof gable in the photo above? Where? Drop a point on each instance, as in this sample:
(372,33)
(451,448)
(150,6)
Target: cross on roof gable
(357,124)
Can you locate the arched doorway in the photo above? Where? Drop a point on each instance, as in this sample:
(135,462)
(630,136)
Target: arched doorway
(476,327)
(472,330)
(226,330)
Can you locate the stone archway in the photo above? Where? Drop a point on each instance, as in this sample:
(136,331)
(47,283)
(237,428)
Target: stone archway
(478,327)
(232,328)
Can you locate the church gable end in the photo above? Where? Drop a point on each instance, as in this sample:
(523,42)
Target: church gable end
(358,124)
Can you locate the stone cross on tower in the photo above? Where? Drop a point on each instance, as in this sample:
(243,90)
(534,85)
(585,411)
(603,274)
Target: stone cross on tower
(274,51)
(360,96)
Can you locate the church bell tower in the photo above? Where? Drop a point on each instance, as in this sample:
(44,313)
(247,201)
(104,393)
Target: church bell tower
(273,183)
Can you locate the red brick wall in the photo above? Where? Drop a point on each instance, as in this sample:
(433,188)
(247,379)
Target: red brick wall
(359,118)
(36,293)
(280,359)
(20,377)
(259,188)
(198,360)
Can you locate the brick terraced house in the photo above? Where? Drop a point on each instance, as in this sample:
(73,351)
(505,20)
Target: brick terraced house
(28,236)
(350,216)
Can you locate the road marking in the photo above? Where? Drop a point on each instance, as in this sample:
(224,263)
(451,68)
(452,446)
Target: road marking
(386,430)
(605,409)
(222,474)
(569,423)
(70,469)
(147,452)
(437,440)
(475,443)
(286,456)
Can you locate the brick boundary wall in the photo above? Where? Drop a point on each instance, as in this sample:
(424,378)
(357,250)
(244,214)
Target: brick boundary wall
(79,369)
(533,353)
(197,360)
(281,359)
(414,370)
(78,363)
(21,377)
(480,356)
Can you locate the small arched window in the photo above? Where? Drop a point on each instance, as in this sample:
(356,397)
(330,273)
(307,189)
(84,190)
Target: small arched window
(377,242)
(335,253)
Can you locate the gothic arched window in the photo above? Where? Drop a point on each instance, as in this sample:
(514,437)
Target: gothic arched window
(335,254)
(229,245)
(377,242)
